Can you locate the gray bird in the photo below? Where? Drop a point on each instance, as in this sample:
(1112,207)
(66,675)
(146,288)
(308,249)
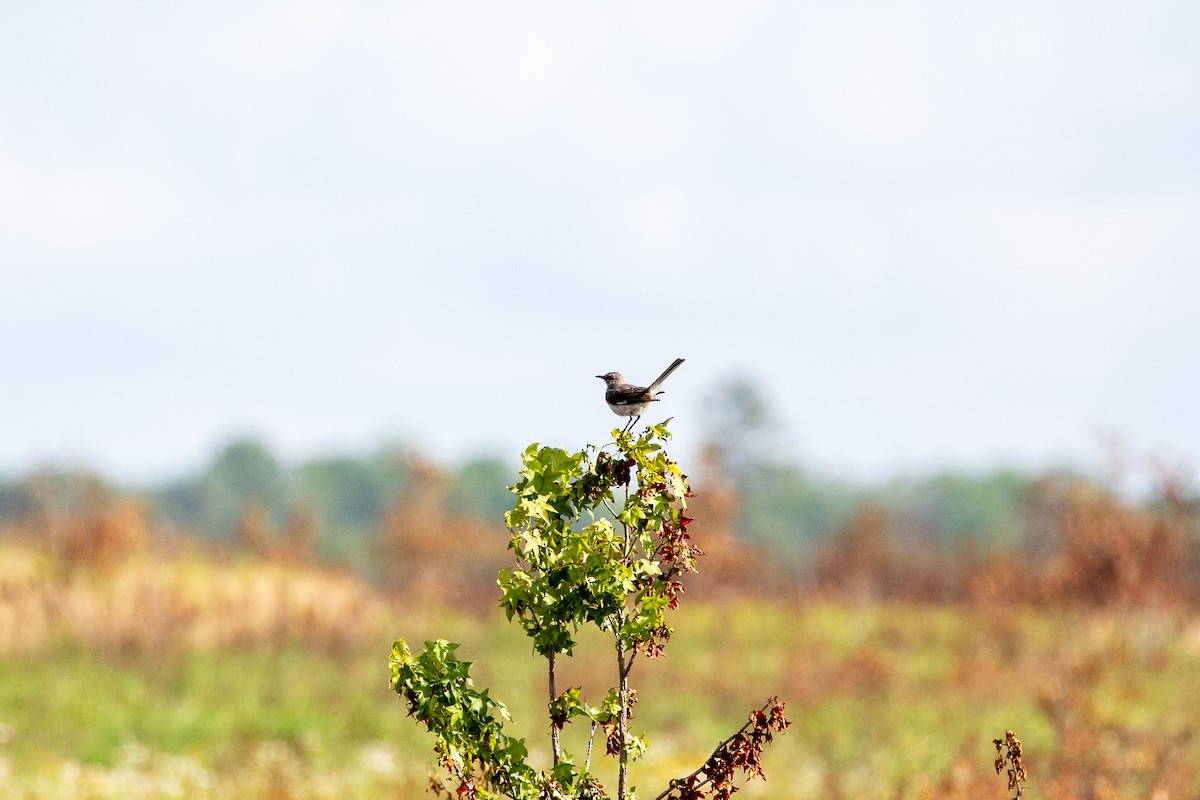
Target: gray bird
(627,400)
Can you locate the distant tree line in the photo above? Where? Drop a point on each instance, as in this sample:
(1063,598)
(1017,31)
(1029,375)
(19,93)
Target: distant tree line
(778,505)
(752,492)
(343,497)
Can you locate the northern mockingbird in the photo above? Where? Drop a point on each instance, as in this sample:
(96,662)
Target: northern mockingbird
(627,400)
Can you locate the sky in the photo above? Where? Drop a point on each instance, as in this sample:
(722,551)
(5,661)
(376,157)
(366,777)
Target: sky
(933,234)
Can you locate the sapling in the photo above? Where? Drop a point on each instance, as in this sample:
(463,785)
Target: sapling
(600,538)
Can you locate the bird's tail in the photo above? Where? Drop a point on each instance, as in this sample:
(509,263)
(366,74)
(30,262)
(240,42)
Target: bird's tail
(666,373)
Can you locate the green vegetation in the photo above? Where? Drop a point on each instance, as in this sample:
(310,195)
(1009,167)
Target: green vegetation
(600,542)
(886,702)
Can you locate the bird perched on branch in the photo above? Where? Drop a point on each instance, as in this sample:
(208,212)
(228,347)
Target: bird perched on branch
(627,400)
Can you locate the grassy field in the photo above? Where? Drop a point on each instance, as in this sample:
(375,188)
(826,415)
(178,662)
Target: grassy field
(185,677)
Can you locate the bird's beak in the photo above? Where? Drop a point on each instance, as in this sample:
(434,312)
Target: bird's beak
(601,377)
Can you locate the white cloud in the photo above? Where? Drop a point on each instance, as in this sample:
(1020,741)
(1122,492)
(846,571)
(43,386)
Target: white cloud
(116,209)
(868,193)
(73,213)
(658,229)
(688,28)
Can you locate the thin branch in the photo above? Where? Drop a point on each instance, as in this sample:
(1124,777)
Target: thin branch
(716,750)
(622,722)
(627,667)
(555,747)
(611,510)
(587,762)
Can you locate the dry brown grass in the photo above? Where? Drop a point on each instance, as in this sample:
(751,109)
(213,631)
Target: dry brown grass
(424,551)
(1104,551)
(190,600)
(1081,545)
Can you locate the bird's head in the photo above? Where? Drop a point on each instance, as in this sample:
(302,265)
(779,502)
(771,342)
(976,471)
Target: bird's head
(612,378)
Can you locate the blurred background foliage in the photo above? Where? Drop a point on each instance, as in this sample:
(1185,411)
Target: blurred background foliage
(761,509)
(239,617)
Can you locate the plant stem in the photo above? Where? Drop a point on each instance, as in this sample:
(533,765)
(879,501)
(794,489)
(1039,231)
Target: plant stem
(555,747)
(622,721)
(587,763)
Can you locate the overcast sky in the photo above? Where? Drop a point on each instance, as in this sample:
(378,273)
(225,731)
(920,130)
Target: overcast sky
(935,233)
